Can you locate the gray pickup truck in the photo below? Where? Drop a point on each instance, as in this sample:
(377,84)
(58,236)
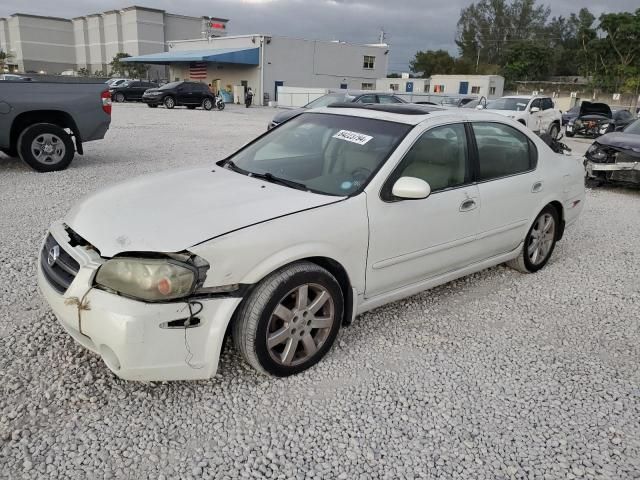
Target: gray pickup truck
(45,123)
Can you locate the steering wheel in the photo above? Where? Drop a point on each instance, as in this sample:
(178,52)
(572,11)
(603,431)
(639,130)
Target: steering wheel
(360,175)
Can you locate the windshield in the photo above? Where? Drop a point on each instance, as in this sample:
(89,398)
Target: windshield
(169,86)
(515,104)
(329,154)
(633,128)
(326,100)
(471,104)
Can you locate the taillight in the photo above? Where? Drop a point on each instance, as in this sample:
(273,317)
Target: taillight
(106,102)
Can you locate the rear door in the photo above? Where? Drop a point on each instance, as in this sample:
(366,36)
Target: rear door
(509,185)
(535,118)
(130,92)
(184,94)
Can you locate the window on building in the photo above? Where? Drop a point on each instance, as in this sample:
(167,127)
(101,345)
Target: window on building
(438,89)
(394,86)
(369,62)
(502,150)
(492,90)
(368,86)
(475,90)
(426,88)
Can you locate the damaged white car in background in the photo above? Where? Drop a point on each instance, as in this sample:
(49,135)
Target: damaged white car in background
(334,212)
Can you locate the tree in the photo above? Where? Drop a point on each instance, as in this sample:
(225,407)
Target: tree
(432,62)
(619,51)
(83,72)
(527,60)
(5,60)
(132,70)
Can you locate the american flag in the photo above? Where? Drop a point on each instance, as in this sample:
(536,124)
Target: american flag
(198,71)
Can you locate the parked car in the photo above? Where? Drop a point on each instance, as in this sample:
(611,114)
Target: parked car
(536,112)
(10,77)
(621,118)
(479,103)
(337,211)
(615,157)
(116,82)
(350,96)
(593,119)
(570,114)
(41,121)
(456,102)
(130,91)
(188,94)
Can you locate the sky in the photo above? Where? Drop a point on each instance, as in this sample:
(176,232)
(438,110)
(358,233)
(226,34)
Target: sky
(410,25)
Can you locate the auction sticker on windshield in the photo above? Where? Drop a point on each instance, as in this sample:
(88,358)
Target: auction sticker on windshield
(353,137)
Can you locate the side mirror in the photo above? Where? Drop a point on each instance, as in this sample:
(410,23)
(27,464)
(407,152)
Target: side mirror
(411,188)
(534,109)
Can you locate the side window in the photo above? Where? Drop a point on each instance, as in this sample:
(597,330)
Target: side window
(439,157)
(537,103)
(502,150)
(547,104)
(134,84)
(367,99)
(388,99)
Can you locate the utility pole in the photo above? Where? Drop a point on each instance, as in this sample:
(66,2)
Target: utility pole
(478,60)
(383,36)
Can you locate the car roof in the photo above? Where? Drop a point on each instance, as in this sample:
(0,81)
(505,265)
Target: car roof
(409,114)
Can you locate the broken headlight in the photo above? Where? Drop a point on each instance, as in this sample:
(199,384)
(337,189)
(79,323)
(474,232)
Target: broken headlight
(596,153)
(148,279)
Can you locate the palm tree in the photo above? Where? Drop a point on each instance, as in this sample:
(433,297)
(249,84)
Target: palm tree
(5,59)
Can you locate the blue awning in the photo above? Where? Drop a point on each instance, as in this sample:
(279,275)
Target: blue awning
(244,56)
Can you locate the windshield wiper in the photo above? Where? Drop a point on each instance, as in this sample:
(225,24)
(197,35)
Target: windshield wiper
(270,177)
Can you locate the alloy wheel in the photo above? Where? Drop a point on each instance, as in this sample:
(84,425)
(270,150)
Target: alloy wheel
(300,324)
(541,239)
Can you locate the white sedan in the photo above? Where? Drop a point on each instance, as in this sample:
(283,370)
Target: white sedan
(333,213)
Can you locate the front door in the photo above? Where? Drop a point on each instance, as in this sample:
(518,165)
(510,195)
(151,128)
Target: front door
(279,83)
(409,87)
(464,88)
(509,185)
(412,240)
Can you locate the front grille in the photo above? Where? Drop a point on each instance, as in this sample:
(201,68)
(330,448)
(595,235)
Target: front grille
(58,266)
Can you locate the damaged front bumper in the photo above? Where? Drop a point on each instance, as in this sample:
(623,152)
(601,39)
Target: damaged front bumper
(620,171)
(137,340)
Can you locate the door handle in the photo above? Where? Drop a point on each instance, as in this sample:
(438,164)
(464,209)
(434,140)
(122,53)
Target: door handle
(468,205)
(537,187)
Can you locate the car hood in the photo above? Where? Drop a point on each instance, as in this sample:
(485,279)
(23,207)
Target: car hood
(151,90)
(287,114)
(589,108)
(622,141)
(177,209)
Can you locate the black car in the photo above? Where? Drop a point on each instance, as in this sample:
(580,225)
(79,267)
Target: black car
(570,114)
(621,118)
(130,91)
(595,119)
(338,97)
(615,157)
(188,94)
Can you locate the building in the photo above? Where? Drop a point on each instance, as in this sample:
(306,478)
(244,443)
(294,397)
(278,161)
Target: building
(403,85)
(53,45)
(264,62)
(489,86)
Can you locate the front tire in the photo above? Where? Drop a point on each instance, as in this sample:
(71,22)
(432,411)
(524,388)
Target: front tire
(554,131)
(46,147)
(290,320)
(119,98)
(169,102)
(207,104)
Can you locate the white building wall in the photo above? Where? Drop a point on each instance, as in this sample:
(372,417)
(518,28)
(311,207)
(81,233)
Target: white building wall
(81,39)
(180,27)
(490,86)
(97,56)
(112,34)
(420,85)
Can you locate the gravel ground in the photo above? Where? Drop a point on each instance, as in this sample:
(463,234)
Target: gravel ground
(495,376)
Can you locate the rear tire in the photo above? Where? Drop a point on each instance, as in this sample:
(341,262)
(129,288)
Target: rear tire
(46,147)
(290,320)
(207,104)
(554,131)
(221,106)
(169,102)
(120,98)
(539,242)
